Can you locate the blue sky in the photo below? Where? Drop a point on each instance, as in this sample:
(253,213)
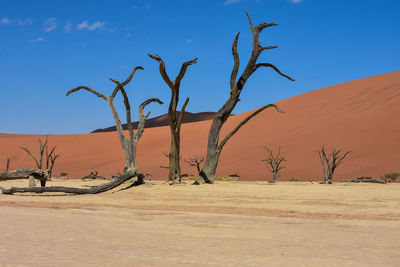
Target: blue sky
(49,47)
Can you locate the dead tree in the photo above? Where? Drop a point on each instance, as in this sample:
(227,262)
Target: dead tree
(50,156)
(274,162)
(174,175)
(330,162)
(77,191)
(215,146)
(128,144)
(8,164)
(195,162)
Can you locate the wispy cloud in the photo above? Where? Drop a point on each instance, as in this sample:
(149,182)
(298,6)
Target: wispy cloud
(295,1)
(68,27)
(50,25)
(25,22)
(40,39)
(98,25)
(5,21)
(229,2)
(189,41)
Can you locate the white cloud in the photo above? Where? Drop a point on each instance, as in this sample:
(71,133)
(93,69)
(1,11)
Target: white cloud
(5,21)
(228,2)
(68,27)
(295,1)
(98,25)
(50,25)
(25,22)
(36,40)
(188,41)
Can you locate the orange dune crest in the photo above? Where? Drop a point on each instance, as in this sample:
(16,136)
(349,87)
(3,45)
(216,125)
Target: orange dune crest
(361,116)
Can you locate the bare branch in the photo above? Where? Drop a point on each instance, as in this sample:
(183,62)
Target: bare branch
(251,23)
(163,72)
(236,59)
(142,117)
(127,106)
(124,82)
(180,119)
(183,71)
(222,143)
(34,158)
(269,65)
(269,47)
(88,89)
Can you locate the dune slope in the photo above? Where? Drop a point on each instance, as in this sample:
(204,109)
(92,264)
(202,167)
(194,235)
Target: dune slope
(361,116)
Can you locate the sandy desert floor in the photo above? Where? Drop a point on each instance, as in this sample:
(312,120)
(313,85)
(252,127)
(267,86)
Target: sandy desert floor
(225,224)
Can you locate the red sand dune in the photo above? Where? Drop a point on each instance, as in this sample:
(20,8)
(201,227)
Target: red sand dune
(361,116)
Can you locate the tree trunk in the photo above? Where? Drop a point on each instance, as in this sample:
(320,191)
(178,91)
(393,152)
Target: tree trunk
(174,175)
(26,173)
(274,176)
(31,181)
(78,191)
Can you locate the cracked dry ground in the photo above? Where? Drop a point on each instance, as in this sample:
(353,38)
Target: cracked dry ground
(225,224)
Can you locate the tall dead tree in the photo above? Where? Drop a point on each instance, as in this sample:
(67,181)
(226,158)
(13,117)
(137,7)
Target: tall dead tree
(215,146)
(129,145)
(174,175)
(195,162)
(44,152)
(330,161)
(274,162)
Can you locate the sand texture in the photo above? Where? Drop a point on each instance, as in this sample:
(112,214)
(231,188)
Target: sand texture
(226,224)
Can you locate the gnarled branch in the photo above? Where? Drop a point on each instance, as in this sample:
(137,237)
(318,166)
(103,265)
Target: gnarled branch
(222,143)
(142,117)
(269,65)
(88,89)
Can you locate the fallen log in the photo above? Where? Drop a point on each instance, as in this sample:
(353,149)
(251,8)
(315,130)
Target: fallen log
(364,180)
(25,173)
(78,191)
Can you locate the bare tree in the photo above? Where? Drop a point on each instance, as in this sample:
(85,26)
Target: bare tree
(128,144)
(274,162)
(195,162)
(8,163)
(330,161)
(44,151)
(174,175)
(215,146)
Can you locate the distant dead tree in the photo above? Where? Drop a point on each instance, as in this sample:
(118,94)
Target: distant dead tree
(274,162)
(174,175)
(215,146)
(330,161)
(128,144)
(50,156)
(195,162)
(8,161)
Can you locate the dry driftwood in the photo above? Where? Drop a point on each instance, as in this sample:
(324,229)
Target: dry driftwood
(78,191)
(25,173)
